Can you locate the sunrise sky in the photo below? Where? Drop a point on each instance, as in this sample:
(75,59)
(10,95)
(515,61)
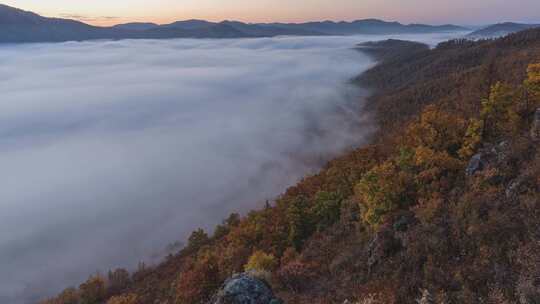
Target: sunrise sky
(107,12)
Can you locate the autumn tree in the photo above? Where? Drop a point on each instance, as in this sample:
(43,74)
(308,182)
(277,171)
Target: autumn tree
(437,130)
(300,222)
(473,138)
(118,280)
(261,261)
(295,275)
(124,299)
(223,229)
(327,208)
(93,290)
(434,170)
(498,114)
(197,239)
(67,296)
(382,190)
(532,83)
(197,284)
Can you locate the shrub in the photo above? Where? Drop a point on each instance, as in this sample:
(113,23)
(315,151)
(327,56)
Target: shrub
(497,112)
(67,296)
(197,284)
(118,280)
(532,83)
(124,299)
(327,209)
(300,222)
(437,130)
(260,261)
(473,138)
(93,290)
(197,239)
(295,276)
(381,190)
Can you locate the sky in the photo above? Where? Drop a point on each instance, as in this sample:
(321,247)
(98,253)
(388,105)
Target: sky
(466,12)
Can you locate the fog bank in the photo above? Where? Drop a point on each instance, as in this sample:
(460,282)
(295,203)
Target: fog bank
(111,150)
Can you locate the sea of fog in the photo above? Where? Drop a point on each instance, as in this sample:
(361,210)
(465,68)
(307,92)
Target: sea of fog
(110,150)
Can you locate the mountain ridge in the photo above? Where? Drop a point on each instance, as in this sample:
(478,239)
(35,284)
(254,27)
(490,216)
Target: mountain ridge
(501,29)
(20,26)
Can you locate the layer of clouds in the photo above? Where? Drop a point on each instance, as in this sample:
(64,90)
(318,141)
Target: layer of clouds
(88,18)
(111,150)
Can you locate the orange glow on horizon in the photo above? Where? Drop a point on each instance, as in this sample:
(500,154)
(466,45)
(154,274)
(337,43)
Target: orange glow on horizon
(106,12)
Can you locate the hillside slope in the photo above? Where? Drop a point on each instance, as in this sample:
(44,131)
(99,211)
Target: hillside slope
(443,206)
(501,29)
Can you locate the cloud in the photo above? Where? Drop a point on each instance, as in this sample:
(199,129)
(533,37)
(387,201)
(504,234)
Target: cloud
(111,150)
(88,18)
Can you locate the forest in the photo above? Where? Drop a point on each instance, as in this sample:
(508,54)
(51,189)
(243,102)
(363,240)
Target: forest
(442,206)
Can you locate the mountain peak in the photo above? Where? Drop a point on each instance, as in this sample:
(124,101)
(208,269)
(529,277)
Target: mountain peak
(12,15)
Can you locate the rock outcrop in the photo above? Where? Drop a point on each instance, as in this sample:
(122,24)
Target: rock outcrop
(475,164)
(491,155)
(535,129)
(245,288)
(381,246)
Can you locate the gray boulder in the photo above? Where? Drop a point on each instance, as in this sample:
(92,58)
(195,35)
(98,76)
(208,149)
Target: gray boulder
(475,164)
(244,288)
(491,155)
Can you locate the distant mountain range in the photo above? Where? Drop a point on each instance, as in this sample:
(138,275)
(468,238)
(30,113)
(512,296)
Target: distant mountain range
(501,29)
(18,26)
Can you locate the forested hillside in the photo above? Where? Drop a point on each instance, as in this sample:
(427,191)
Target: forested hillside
(442,207)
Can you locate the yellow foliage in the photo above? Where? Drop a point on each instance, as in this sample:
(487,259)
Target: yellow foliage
(93,290)
(437,130)
(426,158)
(498,112)
(473,138)
(261,261)
(68,296)
(382,190)
(432,166)
(124,299)
(533,80)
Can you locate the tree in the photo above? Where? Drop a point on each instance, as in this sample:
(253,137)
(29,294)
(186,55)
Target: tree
(437,130)
(532,83)
(198,284)
(261,261)
(118,280)
(232,221)
(295,275)
(498,115)
(473,138)
(124,299)
(327,209)
(433,170)
(197,239)
(68,296)
(93,290)
(382,190)
(300,224)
